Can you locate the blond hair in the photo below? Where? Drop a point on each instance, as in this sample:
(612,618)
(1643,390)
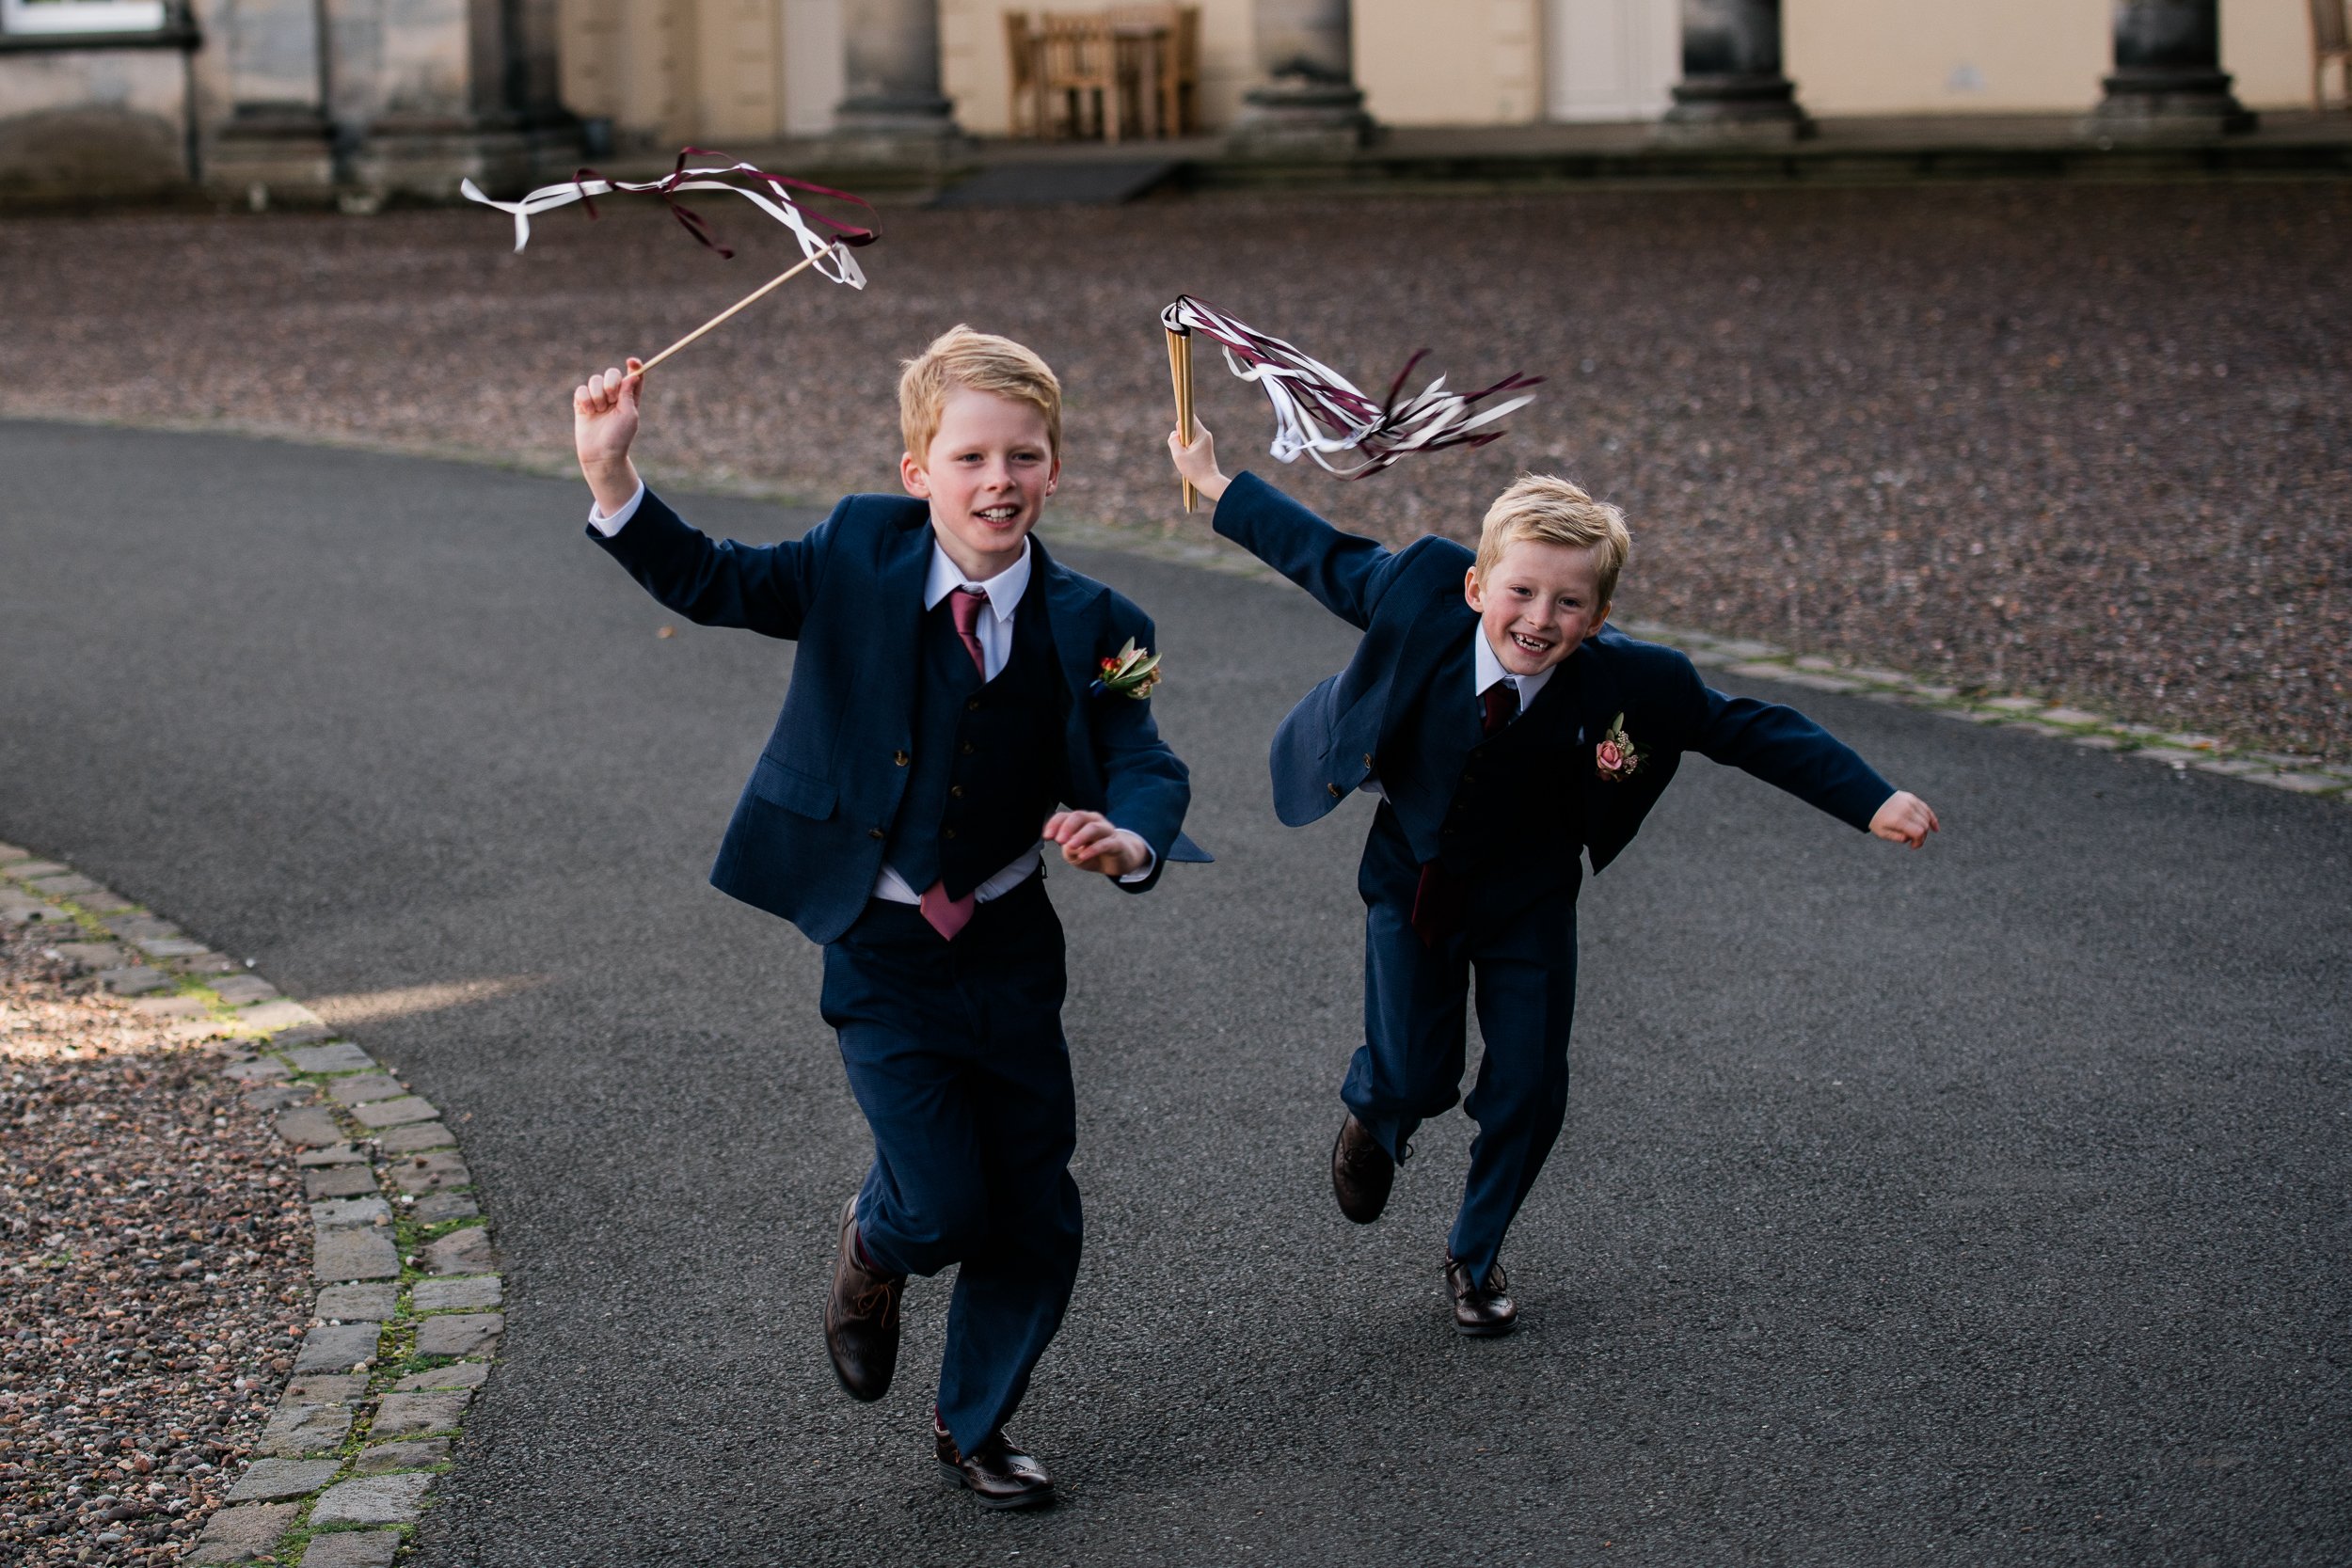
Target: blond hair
(1540,507)
(983,362)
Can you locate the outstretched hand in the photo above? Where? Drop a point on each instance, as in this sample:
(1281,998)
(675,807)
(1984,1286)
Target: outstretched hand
(1905,819)
(604,423)
(1091,843)
(1197,463)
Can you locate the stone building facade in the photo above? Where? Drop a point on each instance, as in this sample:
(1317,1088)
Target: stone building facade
(374,97)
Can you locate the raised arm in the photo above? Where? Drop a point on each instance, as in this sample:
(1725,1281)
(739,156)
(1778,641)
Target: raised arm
(763,588)
(1346,574)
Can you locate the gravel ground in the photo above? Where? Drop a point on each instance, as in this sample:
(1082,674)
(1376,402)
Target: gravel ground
(2087,443)
(153,1261)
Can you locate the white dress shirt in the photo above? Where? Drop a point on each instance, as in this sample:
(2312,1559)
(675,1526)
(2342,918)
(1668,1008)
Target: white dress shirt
(993,632)
(1490,670)
(1486,670)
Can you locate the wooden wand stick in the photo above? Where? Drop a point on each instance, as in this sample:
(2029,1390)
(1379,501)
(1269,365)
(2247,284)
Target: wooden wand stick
(1179,372)
(731,310)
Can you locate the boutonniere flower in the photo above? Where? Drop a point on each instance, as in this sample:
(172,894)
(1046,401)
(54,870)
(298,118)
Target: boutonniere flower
(1617,757)
(1132,672)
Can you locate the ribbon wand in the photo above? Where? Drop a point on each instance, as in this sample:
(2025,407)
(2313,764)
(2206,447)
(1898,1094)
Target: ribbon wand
(763,290)
(1179,372)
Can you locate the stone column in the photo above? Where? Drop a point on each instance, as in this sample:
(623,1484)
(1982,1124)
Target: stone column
(1308,101)
(2168,82)
(275,143)
(890,54)
(1732,89)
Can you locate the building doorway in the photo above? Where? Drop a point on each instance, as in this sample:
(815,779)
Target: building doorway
(1611,59)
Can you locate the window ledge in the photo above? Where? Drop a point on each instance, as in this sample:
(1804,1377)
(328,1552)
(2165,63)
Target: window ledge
(169,37)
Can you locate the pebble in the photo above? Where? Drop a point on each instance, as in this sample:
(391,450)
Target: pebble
(154,1305)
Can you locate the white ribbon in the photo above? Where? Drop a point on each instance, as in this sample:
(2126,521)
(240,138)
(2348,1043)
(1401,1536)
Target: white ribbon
(839,265)
(1321,413)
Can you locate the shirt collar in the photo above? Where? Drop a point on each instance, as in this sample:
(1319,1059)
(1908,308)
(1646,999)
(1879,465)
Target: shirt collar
(1490,670)
(1004,590)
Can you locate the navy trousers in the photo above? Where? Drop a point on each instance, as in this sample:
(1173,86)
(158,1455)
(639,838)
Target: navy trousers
(1410,1065)
(956,1056)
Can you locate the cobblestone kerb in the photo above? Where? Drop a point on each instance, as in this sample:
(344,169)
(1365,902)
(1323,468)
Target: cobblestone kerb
(2182,752)
(407,1323)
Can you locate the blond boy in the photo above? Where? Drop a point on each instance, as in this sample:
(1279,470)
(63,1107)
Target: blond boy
(944,704)
(1505,732)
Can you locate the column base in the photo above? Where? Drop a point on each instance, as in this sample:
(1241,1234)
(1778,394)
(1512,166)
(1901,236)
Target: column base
(2149,104)
(897,129)
(423,157)
(1733,110)
(273,155)
(1301,119)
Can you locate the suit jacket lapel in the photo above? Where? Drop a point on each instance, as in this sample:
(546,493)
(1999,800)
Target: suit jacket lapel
(1600,697)
(1073,614)
(905,566)
(1432,636)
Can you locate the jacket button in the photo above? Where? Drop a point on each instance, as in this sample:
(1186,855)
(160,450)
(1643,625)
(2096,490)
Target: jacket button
(1335,790)
(972,706)
(1469,778)
(956,791)
(876,832)
(900,758)
(1367,759)
(969,748)
(946,832)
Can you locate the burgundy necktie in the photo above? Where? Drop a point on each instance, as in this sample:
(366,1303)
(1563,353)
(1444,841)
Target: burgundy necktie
(950,915)
(1437,898)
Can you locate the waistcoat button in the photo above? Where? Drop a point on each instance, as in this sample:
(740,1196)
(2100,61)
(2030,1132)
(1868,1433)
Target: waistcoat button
(969,748)
(946,832)
(956,791)
(876,832)
(900,757)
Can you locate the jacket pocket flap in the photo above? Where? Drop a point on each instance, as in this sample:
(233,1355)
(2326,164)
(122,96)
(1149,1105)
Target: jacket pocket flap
(795,791)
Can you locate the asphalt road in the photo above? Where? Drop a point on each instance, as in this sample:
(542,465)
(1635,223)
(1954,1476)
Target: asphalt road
(1982,1205)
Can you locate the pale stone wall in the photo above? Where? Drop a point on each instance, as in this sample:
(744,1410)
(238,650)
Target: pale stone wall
(272,50)
(1933,56)
(712,72)
(95,120)
(739,71)
(1482,65)
(2267,46)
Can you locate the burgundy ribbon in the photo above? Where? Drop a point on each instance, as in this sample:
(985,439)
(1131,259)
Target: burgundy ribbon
(1320,412)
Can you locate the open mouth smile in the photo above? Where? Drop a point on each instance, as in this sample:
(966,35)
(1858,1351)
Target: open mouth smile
(1530,643)
(997,514)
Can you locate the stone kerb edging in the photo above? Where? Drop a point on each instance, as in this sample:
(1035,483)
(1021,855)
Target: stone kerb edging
(408,1317)
(2143,743)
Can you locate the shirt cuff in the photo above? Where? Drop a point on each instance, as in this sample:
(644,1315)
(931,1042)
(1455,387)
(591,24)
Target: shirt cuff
(1143,871)
(619,520)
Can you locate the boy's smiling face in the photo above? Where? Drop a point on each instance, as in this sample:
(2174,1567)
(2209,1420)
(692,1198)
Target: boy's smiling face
(987,472)
(1538,604)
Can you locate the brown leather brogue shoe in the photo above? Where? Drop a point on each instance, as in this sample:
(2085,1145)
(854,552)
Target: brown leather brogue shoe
(1481,1309)
(996,1473)
(862,1317)
(1361,1172)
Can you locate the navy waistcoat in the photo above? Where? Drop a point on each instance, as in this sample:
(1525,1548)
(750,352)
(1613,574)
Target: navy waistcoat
(986,758)
(1512,800)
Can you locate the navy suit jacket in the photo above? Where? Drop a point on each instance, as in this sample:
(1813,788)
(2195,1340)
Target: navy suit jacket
(808,836)
(1408,604)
